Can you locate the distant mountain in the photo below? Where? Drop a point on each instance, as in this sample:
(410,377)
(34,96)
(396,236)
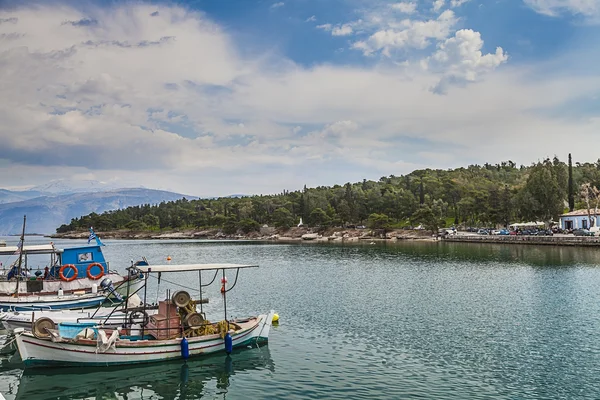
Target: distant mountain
(9,196)
(46,213)
(66,186)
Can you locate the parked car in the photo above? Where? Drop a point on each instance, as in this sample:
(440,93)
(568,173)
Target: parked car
(582,232)
(503,232)
(483,232)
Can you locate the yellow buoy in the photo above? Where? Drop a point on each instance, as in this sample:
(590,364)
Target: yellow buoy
(275,319)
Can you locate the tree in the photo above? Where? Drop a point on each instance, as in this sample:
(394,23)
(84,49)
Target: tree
(283,218)
(248,225)
(570,183)
(378,222)
(426,217)
(544,192)
(318,217)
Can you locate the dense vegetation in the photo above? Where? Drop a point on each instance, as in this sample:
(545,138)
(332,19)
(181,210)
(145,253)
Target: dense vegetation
(477,195)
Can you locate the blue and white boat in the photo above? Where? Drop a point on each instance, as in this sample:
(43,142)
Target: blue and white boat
(70,279)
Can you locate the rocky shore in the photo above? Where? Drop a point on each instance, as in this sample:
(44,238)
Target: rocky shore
(266,234)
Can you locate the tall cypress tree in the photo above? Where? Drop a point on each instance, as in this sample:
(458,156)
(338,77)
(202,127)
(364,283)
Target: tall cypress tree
(421,192)
(571,196)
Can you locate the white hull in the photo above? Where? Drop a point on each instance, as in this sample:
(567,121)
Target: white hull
(8,288)
(44,353)
(52,301)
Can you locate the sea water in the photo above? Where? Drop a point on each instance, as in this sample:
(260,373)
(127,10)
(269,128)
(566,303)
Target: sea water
(389,321)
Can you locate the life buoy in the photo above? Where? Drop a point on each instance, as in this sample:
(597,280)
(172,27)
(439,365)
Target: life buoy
(61,272)
(97,276)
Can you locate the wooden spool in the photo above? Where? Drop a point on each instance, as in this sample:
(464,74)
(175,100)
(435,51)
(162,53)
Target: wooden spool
(181,298)
(40,327)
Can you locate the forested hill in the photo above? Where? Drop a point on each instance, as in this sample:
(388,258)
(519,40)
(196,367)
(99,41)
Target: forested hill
(475,195)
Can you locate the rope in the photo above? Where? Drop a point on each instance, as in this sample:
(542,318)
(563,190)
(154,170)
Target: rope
(173,283)
(11,342)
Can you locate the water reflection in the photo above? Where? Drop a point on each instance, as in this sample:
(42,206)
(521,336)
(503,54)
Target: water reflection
(556,256)
(171,380)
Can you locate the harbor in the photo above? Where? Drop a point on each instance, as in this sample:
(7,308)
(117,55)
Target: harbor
(466,316)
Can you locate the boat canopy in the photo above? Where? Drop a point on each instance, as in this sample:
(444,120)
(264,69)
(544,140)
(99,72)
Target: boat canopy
(191,267)
(34,249)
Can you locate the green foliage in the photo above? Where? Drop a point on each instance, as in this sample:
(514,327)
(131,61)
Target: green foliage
(474,195)
(378,221)
(249,225)
(283,218)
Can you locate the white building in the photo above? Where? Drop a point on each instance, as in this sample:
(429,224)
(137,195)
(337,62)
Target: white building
(577,219)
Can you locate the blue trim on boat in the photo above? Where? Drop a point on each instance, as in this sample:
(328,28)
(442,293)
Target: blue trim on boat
(40,307)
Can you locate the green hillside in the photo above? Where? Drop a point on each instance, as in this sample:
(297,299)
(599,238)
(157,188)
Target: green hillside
(476,195)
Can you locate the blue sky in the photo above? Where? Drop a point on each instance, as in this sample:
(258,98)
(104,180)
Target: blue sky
(214,97)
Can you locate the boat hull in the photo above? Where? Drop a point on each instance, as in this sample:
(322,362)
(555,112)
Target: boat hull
(46,353)
(52,301)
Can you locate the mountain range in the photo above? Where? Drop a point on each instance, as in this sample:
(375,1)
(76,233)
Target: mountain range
(56,203)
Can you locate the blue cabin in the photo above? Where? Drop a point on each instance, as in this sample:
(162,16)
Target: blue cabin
(88,261)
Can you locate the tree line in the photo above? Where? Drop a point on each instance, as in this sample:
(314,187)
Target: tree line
(478,195)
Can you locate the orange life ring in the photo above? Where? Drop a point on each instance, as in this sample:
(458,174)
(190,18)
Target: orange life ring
(61,272)
(98,276)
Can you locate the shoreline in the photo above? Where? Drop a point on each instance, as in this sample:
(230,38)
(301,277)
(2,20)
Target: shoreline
(335,235)
(303,235)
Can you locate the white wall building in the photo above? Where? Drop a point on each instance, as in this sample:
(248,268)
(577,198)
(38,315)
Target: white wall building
(577,219)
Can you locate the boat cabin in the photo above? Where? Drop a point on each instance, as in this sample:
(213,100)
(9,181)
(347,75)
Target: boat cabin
(74,262)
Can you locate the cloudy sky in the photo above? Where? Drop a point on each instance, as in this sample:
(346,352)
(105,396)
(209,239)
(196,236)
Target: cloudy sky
(213,97)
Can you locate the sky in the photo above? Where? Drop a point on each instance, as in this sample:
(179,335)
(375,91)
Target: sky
(216,97)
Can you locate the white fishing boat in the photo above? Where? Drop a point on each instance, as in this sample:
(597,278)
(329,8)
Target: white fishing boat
(178,331)
(73,277)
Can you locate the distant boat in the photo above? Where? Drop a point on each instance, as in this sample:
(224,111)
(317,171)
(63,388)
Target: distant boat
(310,236)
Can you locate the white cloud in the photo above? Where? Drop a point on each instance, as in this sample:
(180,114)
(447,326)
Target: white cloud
(277,5)
(437,5)
(457,3)
(408,34)
(405,7)
(107,99)
(342,30)
(460,60)
(312,18)
(586,8)
(337,30)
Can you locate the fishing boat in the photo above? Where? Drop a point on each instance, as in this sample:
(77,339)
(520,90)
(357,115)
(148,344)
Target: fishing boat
(178,331)
(74,277)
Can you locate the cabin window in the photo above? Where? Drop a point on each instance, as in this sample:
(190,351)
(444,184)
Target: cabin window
(584,224)
(83,257)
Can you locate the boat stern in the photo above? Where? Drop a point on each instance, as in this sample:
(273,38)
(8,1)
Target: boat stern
(265,323)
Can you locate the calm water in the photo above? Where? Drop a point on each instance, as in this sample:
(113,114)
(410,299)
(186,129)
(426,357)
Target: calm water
(413,320)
